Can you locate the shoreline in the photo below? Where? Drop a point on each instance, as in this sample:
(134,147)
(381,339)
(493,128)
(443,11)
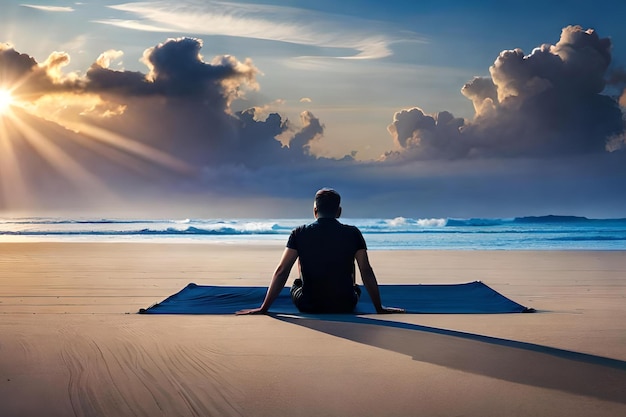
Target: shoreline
(72,344)
(226,242)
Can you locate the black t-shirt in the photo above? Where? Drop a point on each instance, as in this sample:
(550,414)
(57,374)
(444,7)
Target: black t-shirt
(326,250)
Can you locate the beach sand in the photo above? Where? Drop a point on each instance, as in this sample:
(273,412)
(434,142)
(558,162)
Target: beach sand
(71,343)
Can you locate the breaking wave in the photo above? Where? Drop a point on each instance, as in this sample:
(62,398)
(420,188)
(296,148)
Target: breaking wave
(532,232)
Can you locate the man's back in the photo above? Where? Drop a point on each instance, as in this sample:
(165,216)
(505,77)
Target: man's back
(326,250)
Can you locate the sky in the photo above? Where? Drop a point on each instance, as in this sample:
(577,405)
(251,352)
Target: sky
(424,109)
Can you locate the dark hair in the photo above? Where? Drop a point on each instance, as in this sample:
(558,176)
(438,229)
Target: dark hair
(327,202)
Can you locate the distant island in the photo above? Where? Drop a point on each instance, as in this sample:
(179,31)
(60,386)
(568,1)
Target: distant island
(551,218)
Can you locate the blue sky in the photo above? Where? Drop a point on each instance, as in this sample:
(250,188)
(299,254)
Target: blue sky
(187,107)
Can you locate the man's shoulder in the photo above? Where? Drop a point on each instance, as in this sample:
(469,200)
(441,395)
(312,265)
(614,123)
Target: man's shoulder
(299,231)
(350,227)
(346,230)
(336,226)
(300,228)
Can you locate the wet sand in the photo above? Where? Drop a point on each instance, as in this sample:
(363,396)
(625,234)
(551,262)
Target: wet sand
(71,342)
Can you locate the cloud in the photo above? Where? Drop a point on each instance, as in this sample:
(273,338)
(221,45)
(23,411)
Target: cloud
(311,131)
(545,104)
(169,135)
(44,8)
(175,117)
(198,98)
(267,22)
(136,25)
(14,65)
(617,78)
(23,75)
(617,81)
(434,136)
(176,69)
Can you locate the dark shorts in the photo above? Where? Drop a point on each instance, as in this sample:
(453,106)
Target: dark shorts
(345,306)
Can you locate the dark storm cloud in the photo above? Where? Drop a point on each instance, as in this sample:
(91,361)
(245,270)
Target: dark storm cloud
(544,104)
(482,91)
(617,81)
(434,136)
(26,77)
(617,78)
(15,66)
(177,70)
(195,120)
(312,129)
(104,80)
(191,100)
(256,144)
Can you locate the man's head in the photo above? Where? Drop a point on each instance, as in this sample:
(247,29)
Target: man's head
(327,203)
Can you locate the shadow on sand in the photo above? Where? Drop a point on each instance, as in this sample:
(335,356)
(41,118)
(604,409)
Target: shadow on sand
(509,360)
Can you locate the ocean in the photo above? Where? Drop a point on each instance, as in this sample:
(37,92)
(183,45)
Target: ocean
(520,233)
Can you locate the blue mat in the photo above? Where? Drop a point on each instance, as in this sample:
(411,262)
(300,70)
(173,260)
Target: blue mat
(473,297)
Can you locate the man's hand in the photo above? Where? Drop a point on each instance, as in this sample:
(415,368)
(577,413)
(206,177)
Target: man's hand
(277,284)
(390,310)
(258,310)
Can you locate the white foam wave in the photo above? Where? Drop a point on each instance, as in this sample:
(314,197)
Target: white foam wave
(403,222)
(432,222)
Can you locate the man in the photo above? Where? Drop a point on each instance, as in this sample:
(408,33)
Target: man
(326,250)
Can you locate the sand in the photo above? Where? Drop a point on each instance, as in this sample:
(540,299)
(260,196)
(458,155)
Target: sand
(71,343)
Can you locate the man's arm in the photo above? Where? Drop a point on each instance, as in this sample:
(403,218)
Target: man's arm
(278,282)
(370,283)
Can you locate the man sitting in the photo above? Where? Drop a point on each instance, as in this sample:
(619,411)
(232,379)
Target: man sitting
(326,250)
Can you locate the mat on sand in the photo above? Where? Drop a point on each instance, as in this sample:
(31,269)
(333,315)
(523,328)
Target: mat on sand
(472,297)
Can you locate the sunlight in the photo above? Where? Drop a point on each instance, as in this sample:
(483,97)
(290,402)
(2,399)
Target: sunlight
(15,134)
(31,148)
(60,160)
(69,111)
(137,149)
(6,100)
(13,187)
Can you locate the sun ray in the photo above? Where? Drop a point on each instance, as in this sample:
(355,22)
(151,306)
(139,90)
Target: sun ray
(117,156)
(66,166)
(24,144)
(13,188)
(137,149)
(6,101)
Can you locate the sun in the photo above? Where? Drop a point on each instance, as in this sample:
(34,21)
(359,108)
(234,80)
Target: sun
(6,100)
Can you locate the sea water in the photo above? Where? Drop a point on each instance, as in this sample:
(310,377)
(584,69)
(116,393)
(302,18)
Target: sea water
(520,233)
